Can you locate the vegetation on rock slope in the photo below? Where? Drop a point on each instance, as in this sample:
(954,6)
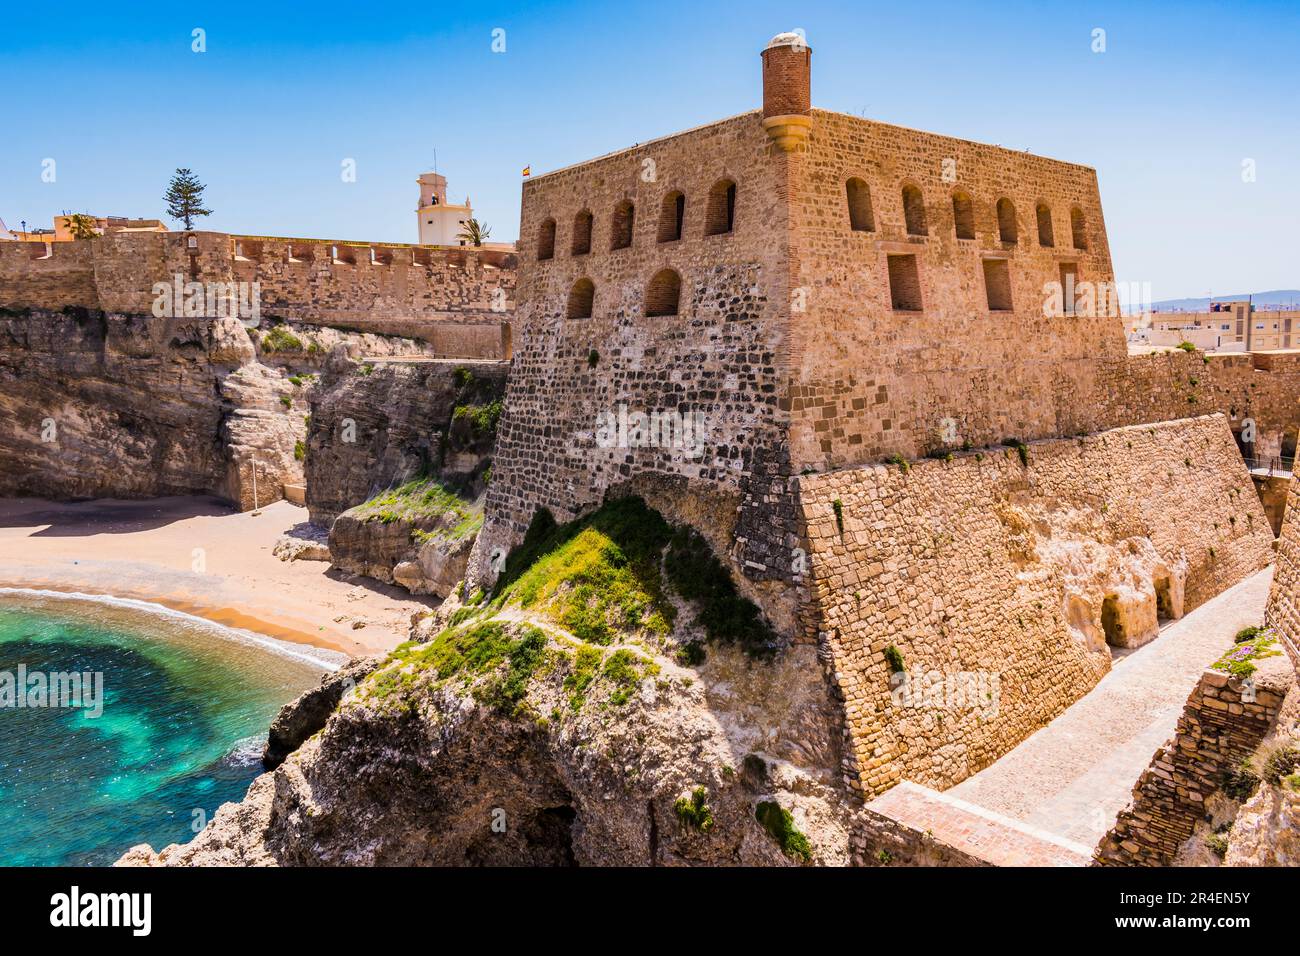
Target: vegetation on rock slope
(421,498)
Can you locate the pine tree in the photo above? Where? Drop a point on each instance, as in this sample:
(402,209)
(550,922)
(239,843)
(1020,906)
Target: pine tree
(184,198)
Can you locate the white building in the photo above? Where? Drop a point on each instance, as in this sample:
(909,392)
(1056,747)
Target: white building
(440,222)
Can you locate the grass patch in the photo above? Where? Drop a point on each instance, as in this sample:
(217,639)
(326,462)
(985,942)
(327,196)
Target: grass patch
(780,827)
(609,574)
(467,654)
(596,576)
(585,668)
(299,450)
(625,670)
(895,659)
(1240,661)
(280,339)
(423,498)
(1187,346)
(903,465)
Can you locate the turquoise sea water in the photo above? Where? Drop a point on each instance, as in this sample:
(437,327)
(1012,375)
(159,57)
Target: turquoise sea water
(186,704)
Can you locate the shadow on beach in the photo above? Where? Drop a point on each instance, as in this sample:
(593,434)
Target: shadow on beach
(106,515)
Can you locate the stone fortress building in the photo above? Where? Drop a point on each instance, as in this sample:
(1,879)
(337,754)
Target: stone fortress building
(836,300)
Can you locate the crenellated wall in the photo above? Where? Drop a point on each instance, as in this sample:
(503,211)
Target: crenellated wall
(459,299)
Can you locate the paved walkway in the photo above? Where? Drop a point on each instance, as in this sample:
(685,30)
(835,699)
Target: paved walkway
(1072,778)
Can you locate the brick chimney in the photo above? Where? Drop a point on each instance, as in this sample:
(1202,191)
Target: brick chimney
(786,97)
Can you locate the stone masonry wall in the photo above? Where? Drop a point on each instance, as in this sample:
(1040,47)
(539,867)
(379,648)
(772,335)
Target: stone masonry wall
(786,341)
(869,381)
(460,299)
(994,574)
(1283,613)
(1220,727)
(720,356)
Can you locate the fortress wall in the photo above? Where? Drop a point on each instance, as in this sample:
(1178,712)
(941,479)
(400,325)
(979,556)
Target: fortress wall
(398,290)
(721,357)
(870,381)
(65,278)
(1283,613)
(986,567)
(405,290)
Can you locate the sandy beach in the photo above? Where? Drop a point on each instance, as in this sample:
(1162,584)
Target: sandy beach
(199,555)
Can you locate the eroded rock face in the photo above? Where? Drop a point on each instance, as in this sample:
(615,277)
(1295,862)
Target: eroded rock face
(377,425)
(97,404)
(428,774)
(305,716)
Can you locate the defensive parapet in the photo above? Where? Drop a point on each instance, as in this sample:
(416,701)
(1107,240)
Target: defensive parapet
(459,298)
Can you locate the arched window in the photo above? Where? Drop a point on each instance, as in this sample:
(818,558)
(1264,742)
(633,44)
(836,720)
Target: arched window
(671,216)
(581,297)
(860,215)
(582,233)
(1007,229)
(963,215)
(1044,213)
(914,211)
(620,235)
(721,215)
(1078,229)
(663,293)
(546,240)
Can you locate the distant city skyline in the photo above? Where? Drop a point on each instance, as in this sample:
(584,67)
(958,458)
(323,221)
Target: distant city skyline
(278,106)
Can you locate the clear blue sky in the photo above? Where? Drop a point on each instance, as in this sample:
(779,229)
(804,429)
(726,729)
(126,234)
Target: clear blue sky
(285,92)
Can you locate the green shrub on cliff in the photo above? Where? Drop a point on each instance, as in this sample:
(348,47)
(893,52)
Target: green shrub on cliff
(280,339)
(423,498)
(780,826)
(607,574)
(694,811)
(467,654)
(596,576)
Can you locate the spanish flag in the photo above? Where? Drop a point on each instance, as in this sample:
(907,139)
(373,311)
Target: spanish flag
(528,170)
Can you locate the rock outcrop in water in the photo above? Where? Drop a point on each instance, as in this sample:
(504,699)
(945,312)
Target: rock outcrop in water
(563,721)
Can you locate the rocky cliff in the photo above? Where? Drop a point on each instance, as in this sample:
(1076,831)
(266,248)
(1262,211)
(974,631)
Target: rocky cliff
(377,425)
(598,708)
(398,459)
(96,404)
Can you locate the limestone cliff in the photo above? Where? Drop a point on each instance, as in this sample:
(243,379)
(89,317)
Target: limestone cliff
(598,708)
(398,460)
(96,404)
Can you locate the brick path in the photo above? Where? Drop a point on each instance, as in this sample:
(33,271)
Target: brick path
(1072,778)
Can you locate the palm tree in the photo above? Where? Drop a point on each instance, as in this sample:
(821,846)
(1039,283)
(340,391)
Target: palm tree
(474,233)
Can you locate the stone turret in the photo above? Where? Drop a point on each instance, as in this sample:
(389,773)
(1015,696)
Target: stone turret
(786,90)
